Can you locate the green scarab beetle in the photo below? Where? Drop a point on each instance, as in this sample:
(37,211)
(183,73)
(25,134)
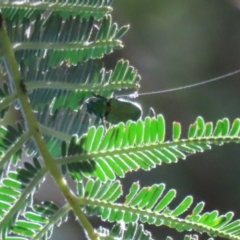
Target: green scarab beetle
(113,110)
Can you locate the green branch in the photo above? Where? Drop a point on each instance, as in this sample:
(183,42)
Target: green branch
(78,86)
(54,133)
(66,46)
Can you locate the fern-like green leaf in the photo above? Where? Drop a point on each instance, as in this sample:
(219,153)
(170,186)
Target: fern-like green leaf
(38,221)
(118,150)
(17,190)
(73,40)
(18,10)
(160,213)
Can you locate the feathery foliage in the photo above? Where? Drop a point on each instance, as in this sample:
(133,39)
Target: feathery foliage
(52,60)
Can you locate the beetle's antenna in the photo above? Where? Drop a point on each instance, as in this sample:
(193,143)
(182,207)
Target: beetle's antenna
(136,94)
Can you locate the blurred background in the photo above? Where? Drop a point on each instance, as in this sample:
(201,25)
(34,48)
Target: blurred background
(176,43)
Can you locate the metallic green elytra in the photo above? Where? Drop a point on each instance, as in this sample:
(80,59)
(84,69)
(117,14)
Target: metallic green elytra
(113,110)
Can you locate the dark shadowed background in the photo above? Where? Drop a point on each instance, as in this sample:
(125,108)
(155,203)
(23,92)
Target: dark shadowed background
(176,43)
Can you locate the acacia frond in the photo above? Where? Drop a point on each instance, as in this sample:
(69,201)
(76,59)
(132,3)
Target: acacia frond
(152,205)
(25,9)
(56,39)
(17,191)
(69,86)
(38,222)
(142,145)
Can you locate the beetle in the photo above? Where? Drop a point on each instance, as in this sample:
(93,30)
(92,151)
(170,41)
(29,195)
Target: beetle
(113,110)
(116,110)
